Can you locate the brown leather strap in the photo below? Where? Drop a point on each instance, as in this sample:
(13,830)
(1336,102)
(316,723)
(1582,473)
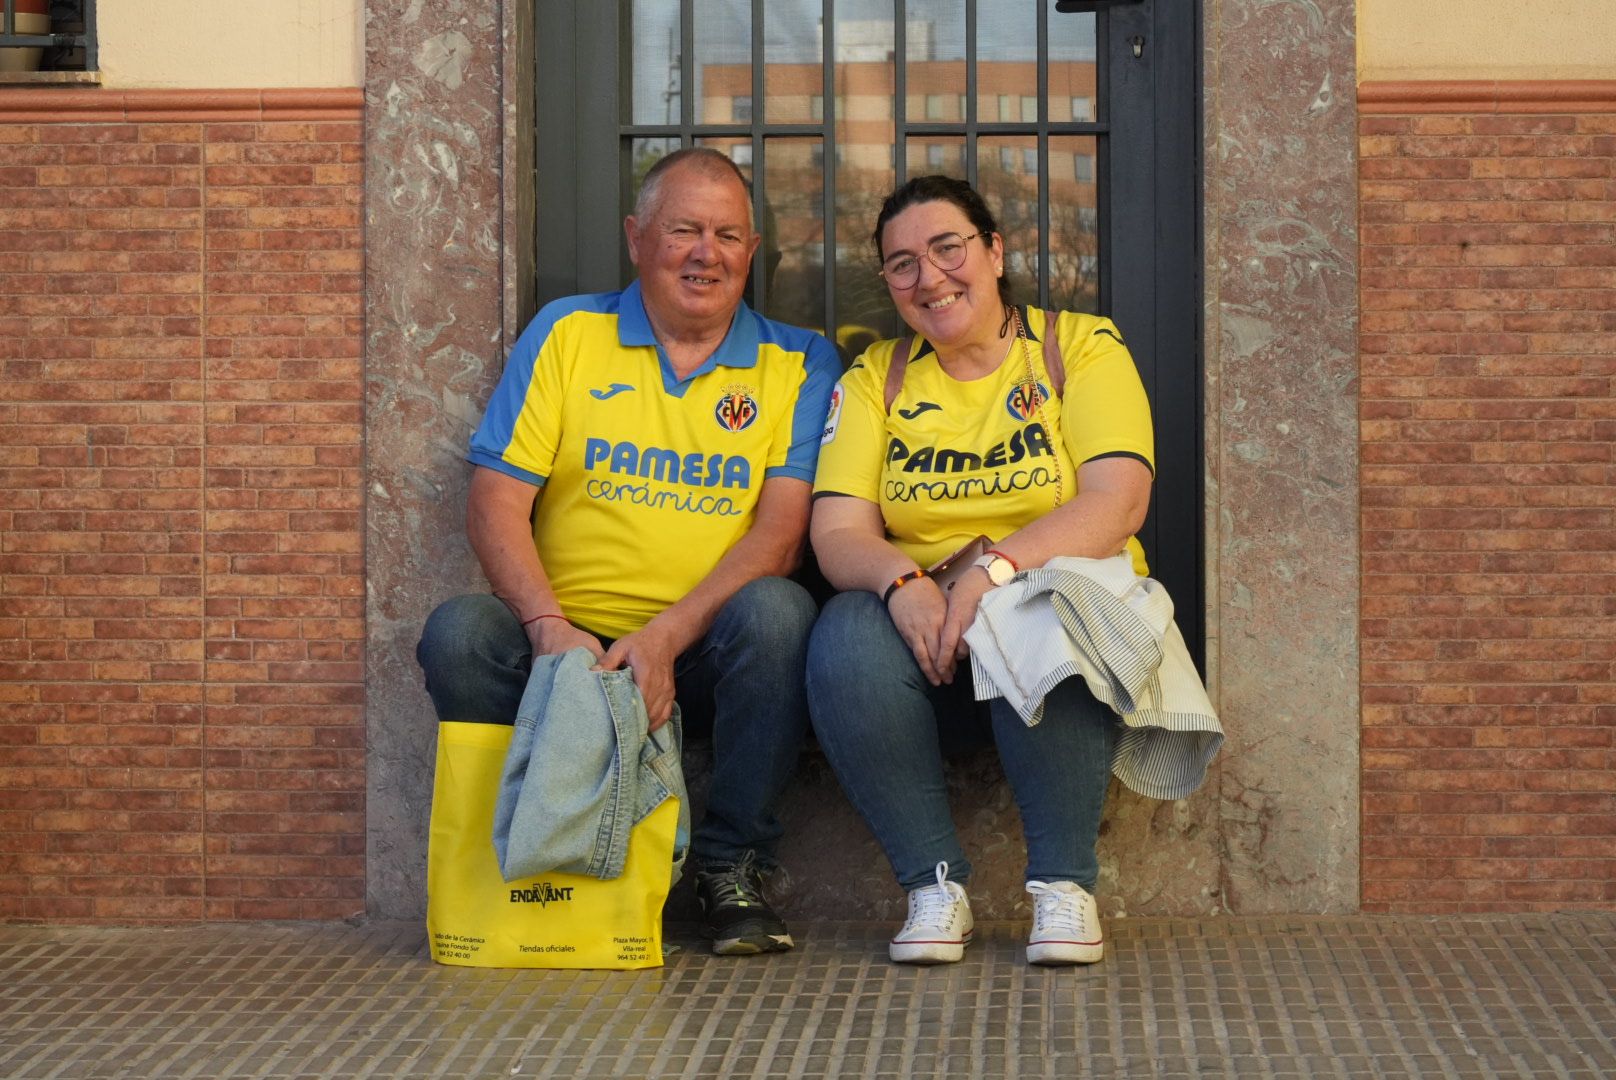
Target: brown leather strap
(1053,364)
(900,360)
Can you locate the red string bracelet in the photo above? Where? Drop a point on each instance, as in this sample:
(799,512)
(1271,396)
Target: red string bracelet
(529,622)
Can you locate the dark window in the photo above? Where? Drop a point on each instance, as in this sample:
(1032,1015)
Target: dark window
(46,36)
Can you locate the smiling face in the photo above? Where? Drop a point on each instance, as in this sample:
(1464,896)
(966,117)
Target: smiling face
(692,250)
(952,308)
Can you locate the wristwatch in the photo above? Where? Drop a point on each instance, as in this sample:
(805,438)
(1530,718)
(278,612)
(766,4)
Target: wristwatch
(1000,569)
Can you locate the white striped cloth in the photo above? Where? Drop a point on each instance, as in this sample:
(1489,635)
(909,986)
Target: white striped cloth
(1098,619)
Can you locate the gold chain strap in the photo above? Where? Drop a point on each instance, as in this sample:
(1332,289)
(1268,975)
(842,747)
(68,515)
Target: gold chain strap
(1038,397)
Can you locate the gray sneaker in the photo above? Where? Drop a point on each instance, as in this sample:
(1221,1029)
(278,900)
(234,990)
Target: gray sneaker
(736,916)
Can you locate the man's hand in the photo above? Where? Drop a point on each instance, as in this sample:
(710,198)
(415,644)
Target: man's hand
(650,653)
(918,610)
(551,637)
(963,600)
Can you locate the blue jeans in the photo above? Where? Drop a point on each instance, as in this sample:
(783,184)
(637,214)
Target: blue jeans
(885,730)
(742,684)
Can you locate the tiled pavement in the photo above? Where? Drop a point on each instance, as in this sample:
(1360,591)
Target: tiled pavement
(1295,997)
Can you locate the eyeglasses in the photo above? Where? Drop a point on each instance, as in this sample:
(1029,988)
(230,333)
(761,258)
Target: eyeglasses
(946,253)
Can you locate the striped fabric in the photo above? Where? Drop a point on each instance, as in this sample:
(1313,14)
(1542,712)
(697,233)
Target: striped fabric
(1098,619)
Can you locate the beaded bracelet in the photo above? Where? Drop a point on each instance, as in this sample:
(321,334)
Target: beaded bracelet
(900,582)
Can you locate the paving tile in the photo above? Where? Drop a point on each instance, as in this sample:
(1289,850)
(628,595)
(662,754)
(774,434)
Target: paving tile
(1272,997)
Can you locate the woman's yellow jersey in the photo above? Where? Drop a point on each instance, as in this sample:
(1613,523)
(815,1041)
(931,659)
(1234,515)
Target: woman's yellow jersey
(956,459)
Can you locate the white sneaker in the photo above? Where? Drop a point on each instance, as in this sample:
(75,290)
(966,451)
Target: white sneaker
(1065,925)
(938,927)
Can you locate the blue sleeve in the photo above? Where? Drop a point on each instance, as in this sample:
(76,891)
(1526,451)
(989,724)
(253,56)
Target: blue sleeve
(821,369)
(517,393)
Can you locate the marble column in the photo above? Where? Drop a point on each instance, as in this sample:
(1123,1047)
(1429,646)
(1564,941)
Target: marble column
(1282,446)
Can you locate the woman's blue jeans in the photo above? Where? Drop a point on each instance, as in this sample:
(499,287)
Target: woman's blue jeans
(885,730)
(742,683)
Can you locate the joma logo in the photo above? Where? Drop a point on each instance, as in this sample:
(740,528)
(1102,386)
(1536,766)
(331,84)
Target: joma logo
(541,894)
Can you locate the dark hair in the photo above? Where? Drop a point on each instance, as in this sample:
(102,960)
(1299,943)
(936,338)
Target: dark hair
(925,189)
(705,160)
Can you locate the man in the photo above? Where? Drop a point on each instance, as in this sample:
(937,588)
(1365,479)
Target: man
(668,436)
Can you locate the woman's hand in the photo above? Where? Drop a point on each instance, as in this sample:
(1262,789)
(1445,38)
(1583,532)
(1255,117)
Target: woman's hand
(963,600)
(918,610)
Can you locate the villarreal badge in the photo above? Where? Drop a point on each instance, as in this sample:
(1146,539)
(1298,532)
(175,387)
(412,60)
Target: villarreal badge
(1024,399)
(737,408)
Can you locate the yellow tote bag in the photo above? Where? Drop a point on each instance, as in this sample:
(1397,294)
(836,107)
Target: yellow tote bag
(475,918)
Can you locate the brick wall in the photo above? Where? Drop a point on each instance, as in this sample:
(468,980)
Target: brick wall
(1489,498)
(181,579)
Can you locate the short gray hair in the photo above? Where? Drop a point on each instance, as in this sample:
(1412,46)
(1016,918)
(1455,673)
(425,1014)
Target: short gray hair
(713,164)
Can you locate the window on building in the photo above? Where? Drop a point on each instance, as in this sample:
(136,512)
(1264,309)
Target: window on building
(741,109)
(1082,110)
(43,40)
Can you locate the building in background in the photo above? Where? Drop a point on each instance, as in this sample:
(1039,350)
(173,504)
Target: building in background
(257,275)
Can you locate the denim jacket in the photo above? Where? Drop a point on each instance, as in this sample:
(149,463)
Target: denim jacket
(582,771)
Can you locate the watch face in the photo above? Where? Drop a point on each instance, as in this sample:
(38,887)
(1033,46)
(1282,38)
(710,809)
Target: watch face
(998,568)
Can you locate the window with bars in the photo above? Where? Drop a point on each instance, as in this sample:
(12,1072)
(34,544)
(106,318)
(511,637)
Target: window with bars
(1078,128)
(47,40)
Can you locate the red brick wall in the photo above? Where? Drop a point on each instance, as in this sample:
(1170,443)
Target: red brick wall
(1489,499)
(181,578)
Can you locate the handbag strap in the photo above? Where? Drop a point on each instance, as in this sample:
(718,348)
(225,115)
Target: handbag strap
(900,360)
(1053,363)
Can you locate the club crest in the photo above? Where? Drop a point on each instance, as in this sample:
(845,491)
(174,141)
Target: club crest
(737,408)
(1024,399)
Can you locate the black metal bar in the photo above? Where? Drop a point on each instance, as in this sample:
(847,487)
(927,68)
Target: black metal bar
(687,72)
(92,42)
(951,128)
(760,116)
(970,92)
(828,188)
(1043,157)
(706,131)
(1102,156)
(900,92)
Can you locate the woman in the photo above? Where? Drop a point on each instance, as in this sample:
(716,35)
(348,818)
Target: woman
(971,442)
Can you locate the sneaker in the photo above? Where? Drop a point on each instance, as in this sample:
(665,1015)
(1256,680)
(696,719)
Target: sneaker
(1065,924)
(939,924)
(737,917)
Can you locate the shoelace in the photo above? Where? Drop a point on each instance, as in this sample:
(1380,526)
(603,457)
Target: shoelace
(1057,909)
(736,884)
(932,902)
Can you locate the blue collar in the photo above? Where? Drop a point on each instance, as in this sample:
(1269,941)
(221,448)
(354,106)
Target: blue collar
(739,349)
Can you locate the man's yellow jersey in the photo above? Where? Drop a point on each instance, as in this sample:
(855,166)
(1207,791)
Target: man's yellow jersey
(648,479)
